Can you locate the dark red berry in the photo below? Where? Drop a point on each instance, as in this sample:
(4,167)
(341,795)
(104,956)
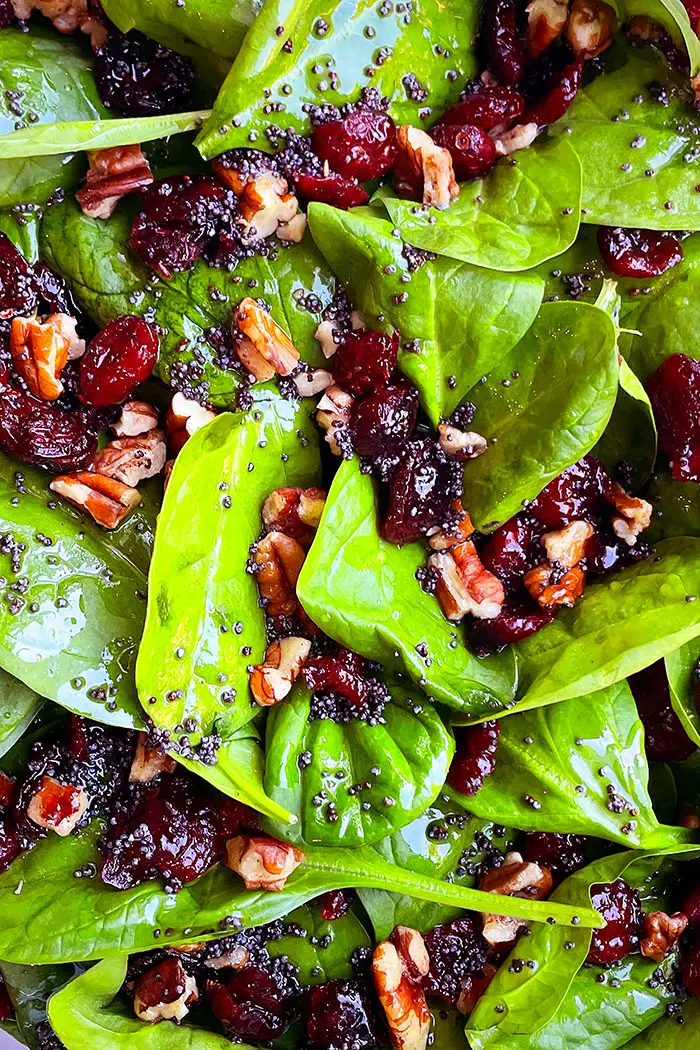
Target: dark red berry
(556,102)
(120,357)
(339,1016)
(674,391)
(7,1010)
(18,294)
(421,490)
(140,78)
(165,249)
(249,1004)
(691,906)
(344,673)
(487,108)
(364,361)
(501,40)
(39,433)
(518,619)
(7,13)
(621,907)
(638,253)
(335,904)
(606,552)
(10,846)
(473,152)
(512,550)
(690,963)
(560,854)
(54,293)
(665,740)
(332,189)
(235,817)
(456,950)
(381,423)
(360,146)
(475,756)
(578,492)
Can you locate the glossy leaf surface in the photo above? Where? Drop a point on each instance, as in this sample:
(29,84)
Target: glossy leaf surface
(683,686)
(18,708)
(50,140)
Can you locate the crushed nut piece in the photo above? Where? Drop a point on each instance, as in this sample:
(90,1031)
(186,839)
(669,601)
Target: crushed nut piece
(660,933)
(266,349)
(149,762)
(294,230)
(294,511)
(412,950)
(325,336)
(113,173)
(567,546)
(515,878)
(590,27)
(634,514)
(40,352)
(66,16)
(164,992)
(132,459)
(236,959)
(551,587)
(462,444)
(473,986)
(464,585)
(263,863)
(107,500)
(501,930)
(430,162)
(279,558)
(272,680)
(442,540)
(264,200)
(309,384)
(333,415)
(183,418)
(402,998)
(545,21)
(517,138)
(138,417)
(57,807)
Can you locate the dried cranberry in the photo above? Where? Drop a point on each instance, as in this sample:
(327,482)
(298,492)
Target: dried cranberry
(6,1008)
(606,552)
(674,390)
(665,740)
(555,104)
(37,432)
(10,845)
(343,673)
(381,423)
(518,619)
(78,738)
(473,152)
(180,217)
(140,78)
(364,361)
(332,189)
(691,906)
(120,357)
(360,146)
(638,253)
(421,490)
(513,549)
(339,1016)
(456,950)
(7,13)
(487,108)
(621,907)
(690,963)
(560,854)
(18,295)
(335,904)
(475,756)
(249,1004)
(578,492)
(56,297)
(235,817)
(501,41)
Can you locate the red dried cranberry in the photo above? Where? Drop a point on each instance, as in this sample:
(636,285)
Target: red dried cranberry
(693,8)
(381,423)
(78,738)
(235,817)
(556,102)
(475,756)
(691,906)
(487,108)
(518,619)
(674,390)
(18,295)
(37,432)
(331,189)
(56,297)
(473,152)
(360,146)
(249,1004)
(7,1010)
(421,489)
(364,361)
(560,854)
(578,492)
(335,904)
(501,41)
(7,13)
(690,963)
(606,552)
(167,250)
(10,847)
(621,907)
(140,78)
(456,950)
(638,253)
(665,740)
(339,1016)
(343,673)
(180,217)
(513,549)
(120,357)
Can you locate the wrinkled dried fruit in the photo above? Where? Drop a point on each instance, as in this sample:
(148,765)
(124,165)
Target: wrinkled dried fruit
(120,357)
(140,78)
(621,907)
(364,361)
(674,390)
(488,107)
(473,152)
(561,854)
(360,146)
(577,493)
(501,41)
(421,490)
(456,950)
(18,294)
(638,253)
(475,756)
(333,189)
(518,619)
(665,740)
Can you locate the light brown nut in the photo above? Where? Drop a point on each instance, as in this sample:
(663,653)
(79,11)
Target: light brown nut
(262,862)
(279,558)
(107,500)
(292,232)
(442,539)
(113,173)
(402,999)
(551,587)
(517,138)
(138,417)
(295,512)
(501,930)
(40,352)
(66,16)
(264,200)
(164,992)
(272,680)
(412,951)
(430,162)
(590,28)
(184,417)
(132,459)
(327,338)
(57,807)
(517,877)
(461,444)
(464,585)
(634,514)
(660,932)
(313,382)
(567,546)
(545,21)
(236,959)
(273,347)
(149,762)
(333,416)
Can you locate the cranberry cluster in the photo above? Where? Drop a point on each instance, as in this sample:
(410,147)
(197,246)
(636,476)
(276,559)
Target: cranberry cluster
(665,739)
(139,78)
(674,391)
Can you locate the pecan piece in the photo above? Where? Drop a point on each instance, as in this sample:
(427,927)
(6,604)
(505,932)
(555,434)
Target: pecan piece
(40,352)
(66,16)
(149,762)
(184,418)
(445,539)
(279,559)
(567,546)
(272,680)
(295,512)
(515,878)
(333,416)
(519,137)
(138,417)
(660,932)
(634,514)
(265,349)
(464,585)
(292,232)
(113,173)
(545,21)
(107,500)
(57,807)
(461,444)
(132,459)
(550,587)
(327,338)
(263,863)
(412,951)
(402,998)
(590,27)
(164,992)
(428,162)
(313,382)
(265,202)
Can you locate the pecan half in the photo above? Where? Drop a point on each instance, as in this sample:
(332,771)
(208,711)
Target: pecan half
(132,459)
(412,951)
(266,350)
(660,932)
(551,587)
(567,546)
(590,27)
(431,163)
(333,416)
(40,352)
(634,514)
(272,680)
(107,500)
(279,559)
(184,417)
(164,992)
(113,173)
(57,807)
(402,999)
(149,762)
(138,417)
(461,444)
(295,512)
(545,21)
(263,863)
(464,585)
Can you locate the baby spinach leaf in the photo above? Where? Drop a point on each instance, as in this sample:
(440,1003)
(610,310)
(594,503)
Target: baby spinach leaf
(361,782)
(526,210)
(327,51)
(50,140)
(680,669)
(630,437)
(620,132)
(460,320)
(668,1033)
(447,1028)
(618,627)
(324,954)
(30,988)
(542,408)
(21,226)
(676,508)
(673,16)
(49,916)
(108,280)
(575,759)
(362,592)
(19,706)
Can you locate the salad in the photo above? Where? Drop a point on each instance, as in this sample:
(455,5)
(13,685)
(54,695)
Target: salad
(350,524)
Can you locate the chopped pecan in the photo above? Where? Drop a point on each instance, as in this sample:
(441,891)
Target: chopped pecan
(462,444)
(333,416)
(545,21)
(634,514)
(660,932)
(263,863)
(327,338)
(66,16)
(515,878)
(590,27)
(519,137)
(550,587)
(445,539)
(183,418)
(402,999)
(295,512)
(132,459)
(464,585)
(501,930)
(266,350)
(149,762)
(57,807)
(412,951)
(567,546)
(113,173)
(138,417)
(236,959)
(314,382)
(40,352)
(164,992)
(107,500)
(279,559)
(271,681)
(264,200)
(431,163)
(294,230)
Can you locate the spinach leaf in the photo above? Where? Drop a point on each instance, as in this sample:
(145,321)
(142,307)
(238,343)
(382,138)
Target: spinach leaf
(30,988)
(526,210)
(676,508)
(620,132)
(52,76)
(460,320)
(50,140)
(618,627)
(361,782)
(107,281)
(555,756)
(680,669)
(19,706)
(630,437)
(542,408)
(21,226)
(673,16)
(51,917)
(668,1033)
(362,592)
(327,51)
(324,953)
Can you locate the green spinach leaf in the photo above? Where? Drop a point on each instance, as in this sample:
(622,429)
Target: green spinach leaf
(460,320)
(324,953)
(30,988)
(630,437)
(676,508)
(680,669)
(668,1033)
(50,140)
(362,592)
(19,706)
(21,226)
